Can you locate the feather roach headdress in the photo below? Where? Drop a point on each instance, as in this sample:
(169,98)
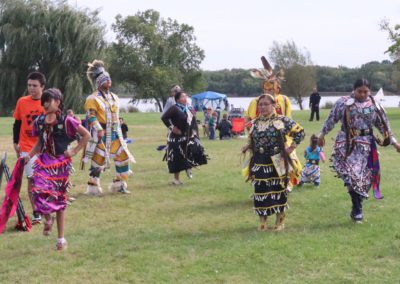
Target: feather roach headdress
(271,81)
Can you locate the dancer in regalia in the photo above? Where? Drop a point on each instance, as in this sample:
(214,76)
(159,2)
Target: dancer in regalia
(107,141)
(271,162)
(53,165)
(311,172)
(184,150)
(355,156)
(272,85)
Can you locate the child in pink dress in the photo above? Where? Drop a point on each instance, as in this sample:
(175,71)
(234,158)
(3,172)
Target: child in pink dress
(53,165)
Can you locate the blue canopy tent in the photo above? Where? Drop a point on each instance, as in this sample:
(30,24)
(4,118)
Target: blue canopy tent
(209,98)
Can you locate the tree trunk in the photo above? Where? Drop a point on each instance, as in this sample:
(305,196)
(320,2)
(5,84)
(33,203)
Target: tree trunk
(160,107)
(300,101)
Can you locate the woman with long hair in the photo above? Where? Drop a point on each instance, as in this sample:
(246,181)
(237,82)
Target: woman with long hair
(355,156)
(270,164)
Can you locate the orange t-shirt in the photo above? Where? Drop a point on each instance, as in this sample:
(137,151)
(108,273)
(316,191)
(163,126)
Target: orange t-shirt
(27,110)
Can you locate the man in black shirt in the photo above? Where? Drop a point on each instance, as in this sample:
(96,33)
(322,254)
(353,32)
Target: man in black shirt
(315,98)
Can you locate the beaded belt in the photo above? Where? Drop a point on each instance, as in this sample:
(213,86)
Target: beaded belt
(271,151)
(363,132)
(314,162)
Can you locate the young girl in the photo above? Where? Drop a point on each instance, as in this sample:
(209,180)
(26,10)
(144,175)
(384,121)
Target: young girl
(355,154)
(212,123)
(53,164)
(311,172)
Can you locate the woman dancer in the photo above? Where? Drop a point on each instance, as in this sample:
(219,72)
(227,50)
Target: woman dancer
(355,156)
(270,164)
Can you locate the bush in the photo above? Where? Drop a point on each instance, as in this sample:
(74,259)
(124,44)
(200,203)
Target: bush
(328,105)
(132,109)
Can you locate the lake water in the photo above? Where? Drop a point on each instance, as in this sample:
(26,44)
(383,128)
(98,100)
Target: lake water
(243,102)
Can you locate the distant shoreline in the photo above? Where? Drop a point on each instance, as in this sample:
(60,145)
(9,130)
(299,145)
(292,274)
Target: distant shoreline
(323,94)
(243,102)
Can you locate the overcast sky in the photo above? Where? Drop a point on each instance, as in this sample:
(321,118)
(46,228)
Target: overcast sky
(234,34)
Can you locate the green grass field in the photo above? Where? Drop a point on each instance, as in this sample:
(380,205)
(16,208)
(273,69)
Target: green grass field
(205,231)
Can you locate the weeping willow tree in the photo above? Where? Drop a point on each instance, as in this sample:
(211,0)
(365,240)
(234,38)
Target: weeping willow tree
(50,37)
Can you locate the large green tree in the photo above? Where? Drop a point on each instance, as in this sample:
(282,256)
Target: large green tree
(152,53)
(394,37)
(51,37)
(287,54)
(394,49)
(296,62)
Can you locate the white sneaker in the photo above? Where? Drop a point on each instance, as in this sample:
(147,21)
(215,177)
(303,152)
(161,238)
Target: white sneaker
(176,182)
(189,173)
(61,245)
(119,186)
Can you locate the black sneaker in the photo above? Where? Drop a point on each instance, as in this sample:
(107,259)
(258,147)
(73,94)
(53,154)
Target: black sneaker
(36,218)
(357,218)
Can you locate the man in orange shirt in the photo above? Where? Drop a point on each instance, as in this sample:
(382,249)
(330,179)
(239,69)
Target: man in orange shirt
(27,110)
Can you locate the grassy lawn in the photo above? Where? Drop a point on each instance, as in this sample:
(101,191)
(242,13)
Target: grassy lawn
(205,231)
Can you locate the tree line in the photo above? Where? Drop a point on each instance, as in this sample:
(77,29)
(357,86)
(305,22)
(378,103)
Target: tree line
(237,82)
(302,75)
(149,54)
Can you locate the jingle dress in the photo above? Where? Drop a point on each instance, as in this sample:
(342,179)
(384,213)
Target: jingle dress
(355,156)
(267,138)
(183,151)
(51,169)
